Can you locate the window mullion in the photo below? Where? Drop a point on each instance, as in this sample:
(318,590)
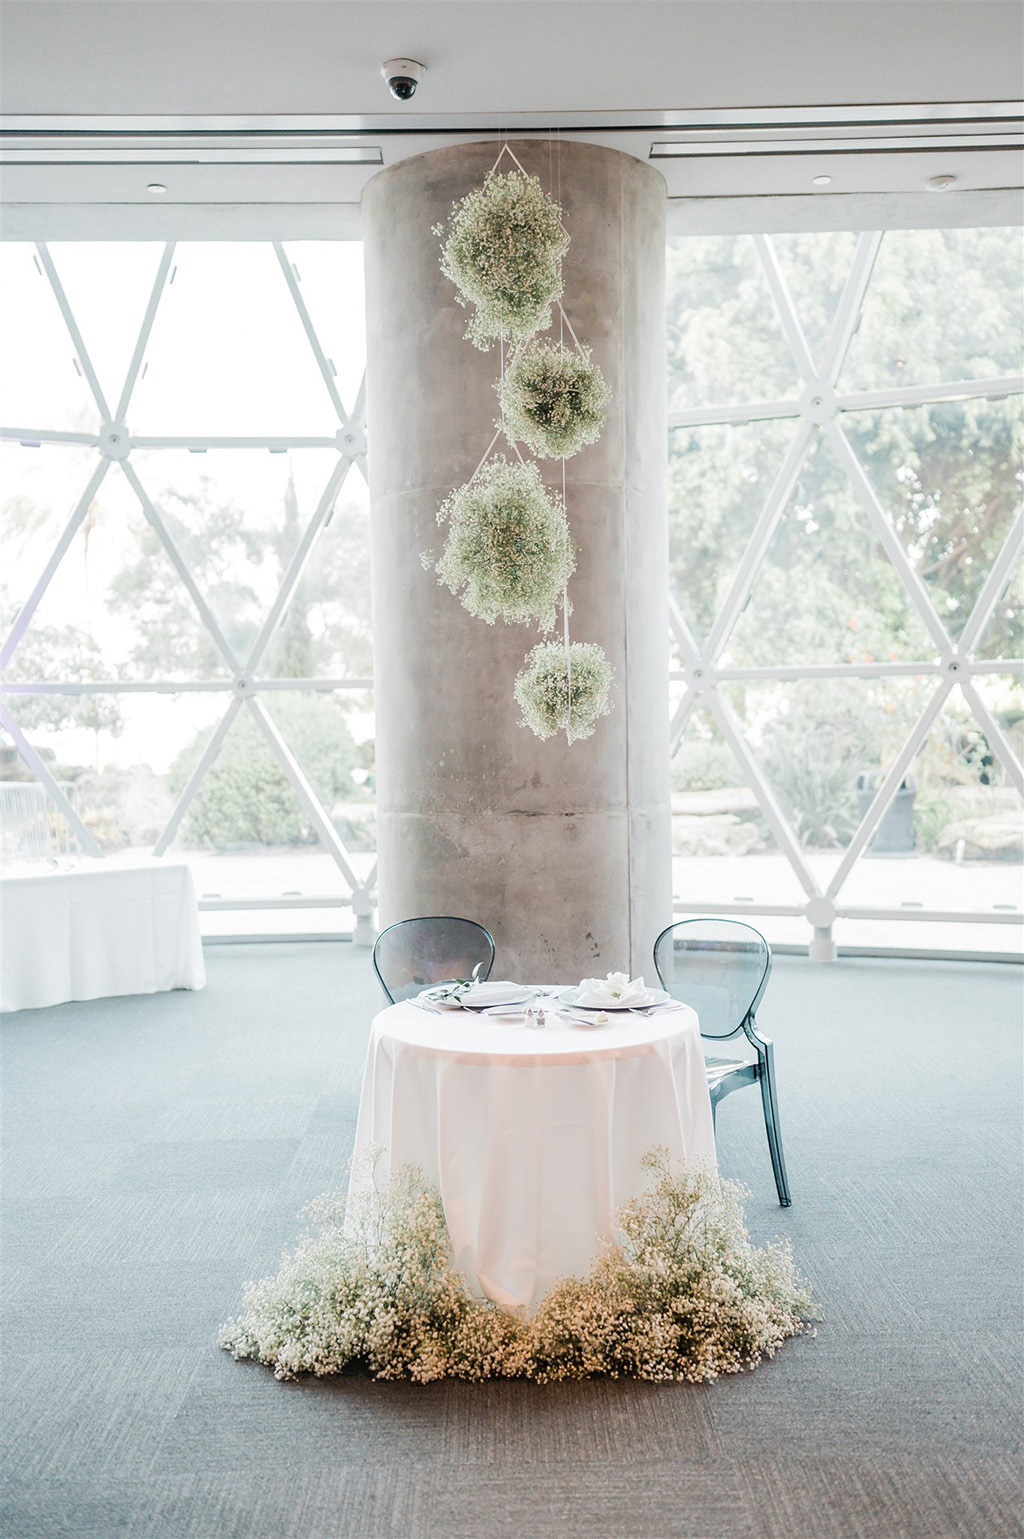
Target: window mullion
(996,581)
(209,753)
(888,537)
(309,329)
(335,482)
(163,534)
(748,568)
(42,773)
(889,785)
(998,741)
(774,815)
(142,340)
(307,796)
(73,331)
(794,332)
(30,605)
(848,311)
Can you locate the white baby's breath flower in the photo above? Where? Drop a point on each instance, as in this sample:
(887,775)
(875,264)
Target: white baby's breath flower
(502,248)
(682,1295)
(543,690)
(553,399)
(509,554)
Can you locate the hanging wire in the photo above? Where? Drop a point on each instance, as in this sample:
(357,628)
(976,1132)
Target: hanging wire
(563,321)
(506,149)
(483,462)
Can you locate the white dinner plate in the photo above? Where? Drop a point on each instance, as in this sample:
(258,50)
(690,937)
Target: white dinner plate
(651,997)
(516,995)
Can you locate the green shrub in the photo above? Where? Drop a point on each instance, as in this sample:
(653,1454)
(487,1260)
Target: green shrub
(245,797)
(704,765)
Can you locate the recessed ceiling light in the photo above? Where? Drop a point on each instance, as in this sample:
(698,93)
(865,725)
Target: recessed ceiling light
(939,183)
(821,181)
(156,188)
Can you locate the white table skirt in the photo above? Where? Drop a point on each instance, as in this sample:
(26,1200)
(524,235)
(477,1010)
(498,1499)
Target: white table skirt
(533,1138)
(85,934)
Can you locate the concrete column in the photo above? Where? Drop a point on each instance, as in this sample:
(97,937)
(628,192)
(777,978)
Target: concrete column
(562,852)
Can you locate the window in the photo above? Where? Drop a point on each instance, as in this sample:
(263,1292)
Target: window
(845,488)
(188,651)
(187,667)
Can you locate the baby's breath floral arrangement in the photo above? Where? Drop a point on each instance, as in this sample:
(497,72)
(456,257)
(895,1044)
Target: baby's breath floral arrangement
(543,689)
(682,1295)
(502,248)
(553,399)
(508,554)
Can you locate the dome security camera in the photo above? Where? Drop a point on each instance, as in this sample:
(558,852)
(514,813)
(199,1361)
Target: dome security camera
(402,76)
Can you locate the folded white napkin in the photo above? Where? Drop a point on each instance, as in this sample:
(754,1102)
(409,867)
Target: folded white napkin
(618,989)
(491,992)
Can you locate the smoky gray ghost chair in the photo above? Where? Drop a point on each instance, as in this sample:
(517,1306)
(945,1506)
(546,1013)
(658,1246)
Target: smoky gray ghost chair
(412,954)
(721,967)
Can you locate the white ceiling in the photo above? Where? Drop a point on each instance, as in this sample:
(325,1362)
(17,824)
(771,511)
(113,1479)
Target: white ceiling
(726,75)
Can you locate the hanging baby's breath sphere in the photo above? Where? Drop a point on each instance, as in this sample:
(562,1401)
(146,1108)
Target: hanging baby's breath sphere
(508,554)
(542,689)
(502,248)
(553,399)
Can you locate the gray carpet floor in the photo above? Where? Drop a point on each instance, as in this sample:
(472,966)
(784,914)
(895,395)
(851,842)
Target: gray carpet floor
(158,1151)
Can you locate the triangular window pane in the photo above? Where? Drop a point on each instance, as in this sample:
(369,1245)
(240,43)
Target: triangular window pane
(963,816)
(725,343)
(816,267)
(228,355)
(41,487)
(1003,696)
(327,629)
(245,804)
(330,278)
(111,754)
(115,607)
(948,474)
(331,735)
(826,592)
(33,829)
(941,305)
(719,479)
(41,385)
(723,848)
(108,286)
(823,746)
(247,831)
(236,517)
(1003,636)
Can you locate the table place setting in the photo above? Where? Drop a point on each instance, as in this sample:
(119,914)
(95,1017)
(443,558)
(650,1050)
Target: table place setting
(593,1002)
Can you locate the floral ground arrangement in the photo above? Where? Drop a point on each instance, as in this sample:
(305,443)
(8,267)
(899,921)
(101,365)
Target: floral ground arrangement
(683,1295)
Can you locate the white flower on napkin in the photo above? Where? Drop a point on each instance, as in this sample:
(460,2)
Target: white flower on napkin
(618,989)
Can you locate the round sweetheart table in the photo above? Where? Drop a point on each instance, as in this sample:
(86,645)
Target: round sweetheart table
(533,1136)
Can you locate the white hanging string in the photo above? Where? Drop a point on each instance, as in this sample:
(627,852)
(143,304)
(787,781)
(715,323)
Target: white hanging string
(512,154)
(502,430)
(483,462)
(563,321)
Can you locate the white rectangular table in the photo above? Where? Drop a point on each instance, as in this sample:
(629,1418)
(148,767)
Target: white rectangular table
(93,932)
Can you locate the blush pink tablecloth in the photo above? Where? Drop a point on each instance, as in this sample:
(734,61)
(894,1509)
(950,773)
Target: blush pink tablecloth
(534,1138)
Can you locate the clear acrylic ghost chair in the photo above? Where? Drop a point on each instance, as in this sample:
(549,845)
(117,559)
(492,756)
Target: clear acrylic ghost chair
(413,953)
(721,967)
